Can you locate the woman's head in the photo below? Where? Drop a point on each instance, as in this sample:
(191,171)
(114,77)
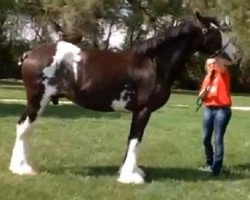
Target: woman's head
(211,61)
(217,63)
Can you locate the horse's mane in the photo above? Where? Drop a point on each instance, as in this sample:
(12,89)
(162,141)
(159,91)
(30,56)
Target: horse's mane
(171,32)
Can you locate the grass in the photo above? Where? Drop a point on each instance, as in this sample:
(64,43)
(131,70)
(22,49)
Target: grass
(77,153)
(11,90)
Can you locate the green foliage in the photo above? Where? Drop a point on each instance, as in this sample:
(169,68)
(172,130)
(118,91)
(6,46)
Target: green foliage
(97,18)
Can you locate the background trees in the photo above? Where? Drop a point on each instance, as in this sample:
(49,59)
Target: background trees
(28,23)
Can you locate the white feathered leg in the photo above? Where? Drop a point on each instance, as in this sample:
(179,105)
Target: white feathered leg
(18,163)
(130,172)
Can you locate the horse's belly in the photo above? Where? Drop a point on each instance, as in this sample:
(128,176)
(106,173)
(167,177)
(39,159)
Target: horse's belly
(103,102)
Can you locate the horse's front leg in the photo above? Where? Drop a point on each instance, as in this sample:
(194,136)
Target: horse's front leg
(129,171)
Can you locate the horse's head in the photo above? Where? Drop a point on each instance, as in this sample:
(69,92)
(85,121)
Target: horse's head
(215,42)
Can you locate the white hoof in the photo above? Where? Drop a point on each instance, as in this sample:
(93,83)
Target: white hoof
(24,169)
(138,170)
(131,178)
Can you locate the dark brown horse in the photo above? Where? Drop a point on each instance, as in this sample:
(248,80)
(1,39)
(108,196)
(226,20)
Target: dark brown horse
(136,79)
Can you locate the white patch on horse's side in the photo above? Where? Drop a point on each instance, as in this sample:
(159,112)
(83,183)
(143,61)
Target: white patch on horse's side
(230,49)
(49,71)
(18,163)
(49,90)
(121,103)
(66,52)
(69,53)
(130,172)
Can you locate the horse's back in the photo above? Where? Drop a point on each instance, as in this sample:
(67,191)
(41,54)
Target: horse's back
(38,58)
(105,58)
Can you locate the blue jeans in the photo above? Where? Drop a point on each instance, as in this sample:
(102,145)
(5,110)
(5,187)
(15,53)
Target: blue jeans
(215,120)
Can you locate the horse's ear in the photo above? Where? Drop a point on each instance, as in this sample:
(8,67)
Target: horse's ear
(203,21)
(197,14)
(200,18)
(206,21)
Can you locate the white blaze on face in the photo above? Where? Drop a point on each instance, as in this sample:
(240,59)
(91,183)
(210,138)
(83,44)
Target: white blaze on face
(230,49)
(120,104)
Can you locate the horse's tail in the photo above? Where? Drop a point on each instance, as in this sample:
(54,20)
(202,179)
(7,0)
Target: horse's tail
(22,58)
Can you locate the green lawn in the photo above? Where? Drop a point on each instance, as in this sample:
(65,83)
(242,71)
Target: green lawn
(77,153)
(11,90)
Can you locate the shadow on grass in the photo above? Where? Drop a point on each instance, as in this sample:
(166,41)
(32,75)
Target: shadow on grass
(152,173)
(62,111)
(16,87)
(244,167)
(10,82)
(189,174)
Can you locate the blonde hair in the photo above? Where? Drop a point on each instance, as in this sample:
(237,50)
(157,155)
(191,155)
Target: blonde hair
(220,62)
(209,61)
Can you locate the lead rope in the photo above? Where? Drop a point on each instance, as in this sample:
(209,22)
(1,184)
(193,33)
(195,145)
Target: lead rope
(203,95)
(221,51)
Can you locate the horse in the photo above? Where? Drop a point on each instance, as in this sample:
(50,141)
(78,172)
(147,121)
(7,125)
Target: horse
(137,79)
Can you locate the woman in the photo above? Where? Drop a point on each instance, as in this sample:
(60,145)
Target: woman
(215,94)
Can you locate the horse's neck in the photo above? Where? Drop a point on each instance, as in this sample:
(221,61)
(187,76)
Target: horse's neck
(171,61)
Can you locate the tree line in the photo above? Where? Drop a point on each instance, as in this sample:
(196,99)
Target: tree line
(25,24)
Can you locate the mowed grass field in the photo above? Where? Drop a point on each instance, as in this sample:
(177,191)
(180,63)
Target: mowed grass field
(77,153)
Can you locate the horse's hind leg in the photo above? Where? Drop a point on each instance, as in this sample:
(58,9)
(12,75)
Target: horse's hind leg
(35,106)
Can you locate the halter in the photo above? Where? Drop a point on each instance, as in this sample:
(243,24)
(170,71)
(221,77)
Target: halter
(220,51)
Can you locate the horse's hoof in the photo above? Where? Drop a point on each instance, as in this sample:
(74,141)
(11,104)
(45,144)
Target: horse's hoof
(132,178)
(23,170)
(138,170)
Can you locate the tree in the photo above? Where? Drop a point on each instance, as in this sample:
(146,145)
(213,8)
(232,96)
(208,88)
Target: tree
(95,20)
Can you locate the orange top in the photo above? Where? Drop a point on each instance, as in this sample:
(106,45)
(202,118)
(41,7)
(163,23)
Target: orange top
(218,85)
